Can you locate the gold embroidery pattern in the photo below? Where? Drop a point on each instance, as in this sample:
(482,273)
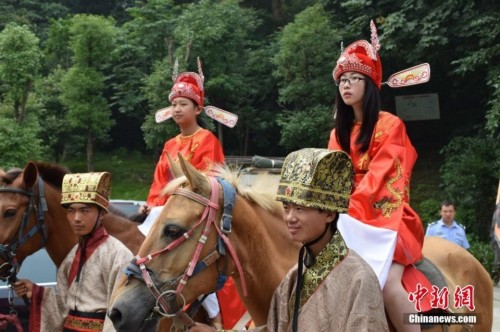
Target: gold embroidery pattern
(192,151)
(80,323)
(86,188)
(193,139)
(317,178)
(387,204)
(363,162)
(334,253)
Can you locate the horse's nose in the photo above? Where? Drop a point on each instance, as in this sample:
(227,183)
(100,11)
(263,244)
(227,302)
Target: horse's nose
(116,317)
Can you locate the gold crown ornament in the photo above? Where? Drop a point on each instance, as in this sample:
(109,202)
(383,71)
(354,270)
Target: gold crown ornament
(88,188)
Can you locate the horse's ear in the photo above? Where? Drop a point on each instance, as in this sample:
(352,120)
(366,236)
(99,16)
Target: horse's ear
(195,177)
(3,179)
(30,175)
(174,167)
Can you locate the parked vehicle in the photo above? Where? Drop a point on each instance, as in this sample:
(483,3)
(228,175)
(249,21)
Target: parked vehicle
(128,207)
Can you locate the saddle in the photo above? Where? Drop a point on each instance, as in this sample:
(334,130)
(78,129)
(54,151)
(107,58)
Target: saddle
(436,278)
(431,272)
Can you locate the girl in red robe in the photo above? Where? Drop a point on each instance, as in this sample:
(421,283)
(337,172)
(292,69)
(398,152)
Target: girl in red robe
(383,159)
(197,145)
(202,149)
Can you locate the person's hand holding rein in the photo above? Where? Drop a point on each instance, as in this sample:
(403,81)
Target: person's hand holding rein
(23,287)
(144,209)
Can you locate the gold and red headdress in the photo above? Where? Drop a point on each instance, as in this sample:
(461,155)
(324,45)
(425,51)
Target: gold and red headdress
(190,85)
(361,57)
(88,188)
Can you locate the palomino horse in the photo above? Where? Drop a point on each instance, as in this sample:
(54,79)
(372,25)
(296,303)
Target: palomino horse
(32,217)
(186,231)
(258,234)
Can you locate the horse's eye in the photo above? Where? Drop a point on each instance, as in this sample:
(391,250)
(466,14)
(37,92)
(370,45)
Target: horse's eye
(9,213)
(173,231)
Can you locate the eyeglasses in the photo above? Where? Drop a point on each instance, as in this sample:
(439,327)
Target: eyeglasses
(352,81)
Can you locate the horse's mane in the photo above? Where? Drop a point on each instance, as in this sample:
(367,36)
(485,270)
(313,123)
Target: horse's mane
(262,192)
(11,175)
(52,173)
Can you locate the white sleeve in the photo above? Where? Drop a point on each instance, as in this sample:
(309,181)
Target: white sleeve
(211,305)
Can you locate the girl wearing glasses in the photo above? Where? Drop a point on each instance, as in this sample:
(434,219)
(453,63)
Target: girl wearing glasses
(383,159)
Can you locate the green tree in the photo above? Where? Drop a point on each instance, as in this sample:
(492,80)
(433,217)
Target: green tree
(144,40)
(20,61)
(57,47)
(156,90)
(304,62)
(88,110)
(460,40)
(19,142)
(91,41)
(224,49)
(481,53)
(35,14)
(470,176)
(55,132)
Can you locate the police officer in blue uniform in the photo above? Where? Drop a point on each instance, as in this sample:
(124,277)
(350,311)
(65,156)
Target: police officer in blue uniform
(447,228)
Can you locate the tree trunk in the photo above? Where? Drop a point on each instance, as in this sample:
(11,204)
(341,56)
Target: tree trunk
(90,151)
(20,103)
(277,8)
(245,140)
(188,50)
(170,54)
(17,111)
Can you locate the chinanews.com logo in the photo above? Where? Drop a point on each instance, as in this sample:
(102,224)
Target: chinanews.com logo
(438,299)
(441,318)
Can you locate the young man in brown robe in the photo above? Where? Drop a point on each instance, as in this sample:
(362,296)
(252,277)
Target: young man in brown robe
(331,288)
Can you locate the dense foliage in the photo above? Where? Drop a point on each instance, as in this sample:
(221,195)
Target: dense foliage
(84,76)
(470,175)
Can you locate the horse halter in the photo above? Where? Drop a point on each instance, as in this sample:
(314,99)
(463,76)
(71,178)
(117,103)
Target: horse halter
(8,252)
(138,269)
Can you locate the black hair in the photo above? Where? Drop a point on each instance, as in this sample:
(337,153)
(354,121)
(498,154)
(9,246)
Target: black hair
(447,203)
(333,224)
(201,122)
(344,118)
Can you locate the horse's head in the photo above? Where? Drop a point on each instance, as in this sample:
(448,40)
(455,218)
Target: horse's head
(185,253)
(18,222)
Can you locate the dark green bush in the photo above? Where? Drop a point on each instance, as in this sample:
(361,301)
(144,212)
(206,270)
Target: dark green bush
(429,211)
(484,254)
(470,178)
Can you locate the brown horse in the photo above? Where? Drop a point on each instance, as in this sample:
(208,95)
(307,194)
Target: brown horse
(19,187)
(24,194)
(262,245)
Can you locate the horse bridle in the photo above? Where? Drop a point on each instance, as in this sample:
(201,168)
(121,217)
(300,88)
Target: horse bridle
(8,252)
(137,268)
